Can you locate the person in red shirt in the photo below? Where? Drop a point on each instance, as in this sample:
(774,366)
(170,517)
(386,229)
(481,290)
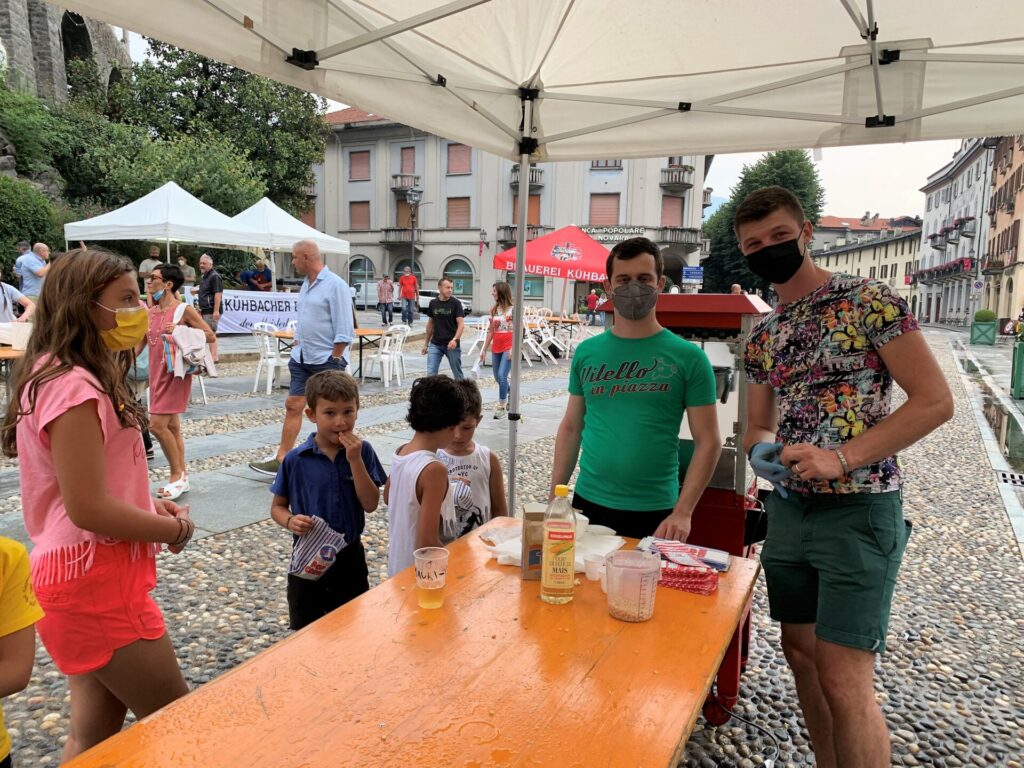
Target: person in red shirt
(409,291)
(592,307)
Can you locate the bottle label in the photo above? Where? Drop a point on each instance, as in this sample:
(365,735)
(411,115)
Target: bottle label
(559,569)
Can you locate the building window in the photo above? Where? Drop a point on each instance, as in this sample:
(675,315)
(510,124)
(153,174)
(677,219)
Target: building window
(402,212)
(671,211)
(408,160)
(604,165)
(461,275)
(359,166)
(360,270)
(884,271)
(533,287)
(677,162)
(532,210)
(359,215)
(871,273)
(459,159)
(604,210)
(458,213)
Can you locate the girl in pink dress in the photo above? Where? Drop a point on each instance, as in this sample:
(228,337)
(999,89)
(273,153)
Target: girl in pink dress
(74,426)
(169,396)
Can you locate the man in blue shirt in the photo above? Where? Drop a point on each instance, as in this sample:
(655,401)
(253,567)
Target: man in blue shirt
(34,266)
(23,248)
(323,334)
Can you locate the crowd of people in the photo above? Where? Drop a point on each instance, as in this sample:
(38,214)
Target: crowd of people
(821,431)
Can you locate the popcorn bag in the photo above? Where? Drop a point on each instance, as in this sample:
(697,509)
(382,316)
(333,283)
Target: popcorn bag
(314,553)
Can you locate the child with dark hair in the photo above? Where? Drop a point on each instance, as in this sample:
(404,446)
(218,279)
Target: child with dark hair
(335,475)
(473,469)
(419,501)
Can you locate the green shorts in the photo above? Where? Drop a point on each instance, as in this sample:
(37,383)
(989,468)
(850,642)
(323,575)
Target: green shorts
(831,560)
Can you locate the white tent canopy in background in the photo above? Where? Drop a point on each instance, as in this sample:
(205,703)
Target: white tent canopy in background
(622,79)
(167,214)
(279,231)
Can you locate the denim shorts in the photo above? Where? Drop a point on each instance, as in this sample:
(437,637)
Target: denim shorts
(300,373)
(831,560)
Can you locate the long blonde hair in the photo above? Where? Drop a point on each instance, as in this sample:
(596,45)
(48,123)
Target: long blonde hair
(64,335)
(504,302)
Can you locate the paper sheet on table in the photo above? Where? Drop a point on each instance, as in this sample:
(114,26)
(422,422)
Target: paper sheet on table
(507,545)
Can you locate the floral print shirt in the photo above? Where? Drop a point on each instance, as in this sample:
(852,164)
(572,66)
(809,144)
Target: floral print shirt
(820,356)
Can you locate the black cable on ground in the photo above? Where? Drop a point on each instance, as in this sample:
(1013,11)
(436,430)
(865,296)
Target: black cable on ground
(769,762)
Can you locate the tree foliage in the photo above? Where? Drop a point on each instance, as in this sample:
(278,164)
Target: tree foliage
(24,215)
(789,168)
(279,129)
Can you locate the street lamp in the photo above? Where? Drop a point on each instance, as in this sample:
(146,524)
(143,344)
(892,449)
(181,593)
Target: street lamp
(413,196)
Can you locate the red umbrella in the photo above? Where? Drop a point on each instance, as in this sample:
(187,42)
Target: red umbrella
(568,253)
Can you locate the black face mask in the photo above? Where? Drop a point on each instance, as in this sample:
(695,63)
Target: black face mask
(777,263)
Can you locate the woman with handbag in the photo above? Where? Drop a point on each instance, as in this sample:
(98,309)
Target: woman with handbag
(168,395)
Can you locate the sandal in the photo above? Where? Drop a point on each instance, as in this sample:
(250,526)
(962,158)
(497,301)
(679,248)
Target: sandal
(172,491)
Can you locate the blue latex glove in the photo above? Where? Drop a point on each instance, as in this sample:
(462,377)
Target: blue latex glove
(765,460)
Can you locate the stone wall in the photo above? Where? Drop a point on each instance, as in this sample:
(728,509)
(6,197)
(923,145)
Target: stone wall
(32,34)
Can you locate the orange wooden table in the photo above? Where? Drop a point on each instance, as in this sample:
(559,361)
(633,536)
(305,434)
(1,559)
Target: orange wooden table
(496,677)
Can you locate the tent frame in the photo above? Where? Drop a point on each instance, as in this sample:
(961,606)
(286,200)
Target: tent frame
(529,143)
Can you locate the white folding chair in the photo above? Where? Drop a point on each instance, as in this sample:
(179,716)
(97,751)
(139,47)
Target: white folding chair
(381,356)
(481,326)
(401,334)
(548,338)
(269,356)
(530,342)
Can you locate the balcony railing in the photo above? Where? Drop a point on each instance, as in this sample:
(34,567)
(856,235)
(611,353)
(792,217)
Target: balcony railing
(938,242)
(677,179)
(536,177)
(968,228)
(678,236)
(993,265)
(399,235)
(953,236)
(707,197)
(507,233)
(400,182)
(705,247)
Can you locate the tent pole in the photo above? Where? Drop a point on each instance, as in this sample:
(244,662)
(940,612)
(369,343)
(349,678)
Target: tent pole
(168,250)
(517,309)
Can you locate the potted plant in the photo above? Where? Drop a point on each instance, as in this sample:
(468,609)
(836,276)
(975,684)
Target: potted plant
(983,329)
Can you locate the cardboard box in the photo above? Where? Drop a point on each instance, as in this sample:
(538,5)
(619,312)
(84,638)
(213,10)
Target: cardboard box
(533,539)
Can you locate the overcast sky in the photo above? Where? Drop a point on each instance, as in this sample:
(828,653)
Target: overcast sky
(882,178)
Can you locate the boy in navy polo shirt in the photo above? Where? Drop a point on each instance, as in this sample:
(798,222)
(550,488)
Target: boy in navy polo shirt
(336,476)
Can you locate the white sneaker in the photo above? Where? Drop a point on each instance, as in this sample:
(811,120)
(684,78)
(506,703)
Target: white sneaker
(499,411)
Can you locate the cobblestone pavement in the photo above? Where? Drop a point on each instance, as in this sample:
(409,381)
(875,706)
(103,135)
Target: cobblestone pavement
(950,684)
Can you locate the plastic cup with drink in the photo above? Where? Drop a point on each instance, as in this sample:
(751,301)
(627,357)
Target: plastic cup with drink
(431,570)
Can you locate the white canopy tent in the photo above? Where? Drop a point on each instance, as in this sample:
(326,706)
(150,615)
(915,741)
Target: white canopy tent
(580,79)
(279,231)
(167,214)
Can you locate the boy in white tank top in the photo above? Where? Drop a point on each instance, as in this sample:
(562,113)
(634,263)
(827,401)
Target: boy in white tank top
(419,501)
(473,469)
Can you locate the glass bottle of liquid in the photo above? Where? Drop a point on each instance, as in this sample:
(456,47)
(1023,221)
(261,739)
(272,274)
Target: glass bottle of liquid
(558,563)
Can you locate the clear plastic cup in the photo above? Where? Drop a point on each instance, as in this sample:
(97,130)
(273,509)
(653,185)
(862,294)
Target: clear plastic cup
(431,571)
(632,579)
(592,566)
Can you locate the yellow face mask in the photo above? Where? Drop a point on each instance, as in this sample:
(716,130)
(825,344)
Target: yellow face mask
(132,323)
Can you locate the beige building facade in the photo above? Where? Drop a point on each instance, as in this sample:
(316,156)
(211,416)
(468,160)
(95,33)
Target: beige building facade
(891,259)
(467,212)
(1004,266)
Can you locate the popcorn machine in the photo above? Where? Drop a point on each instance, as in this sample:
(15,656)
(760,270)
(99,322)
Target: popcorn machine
(725,517)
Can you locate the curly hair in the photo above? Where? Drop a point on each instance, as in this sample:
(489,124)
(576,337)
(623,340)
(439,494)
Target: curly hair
(65,336)
(474,403)
(435,403)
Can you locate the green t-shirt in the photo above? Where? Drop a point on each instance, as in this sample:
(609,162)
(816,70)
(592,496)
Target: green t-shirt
(636,391)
